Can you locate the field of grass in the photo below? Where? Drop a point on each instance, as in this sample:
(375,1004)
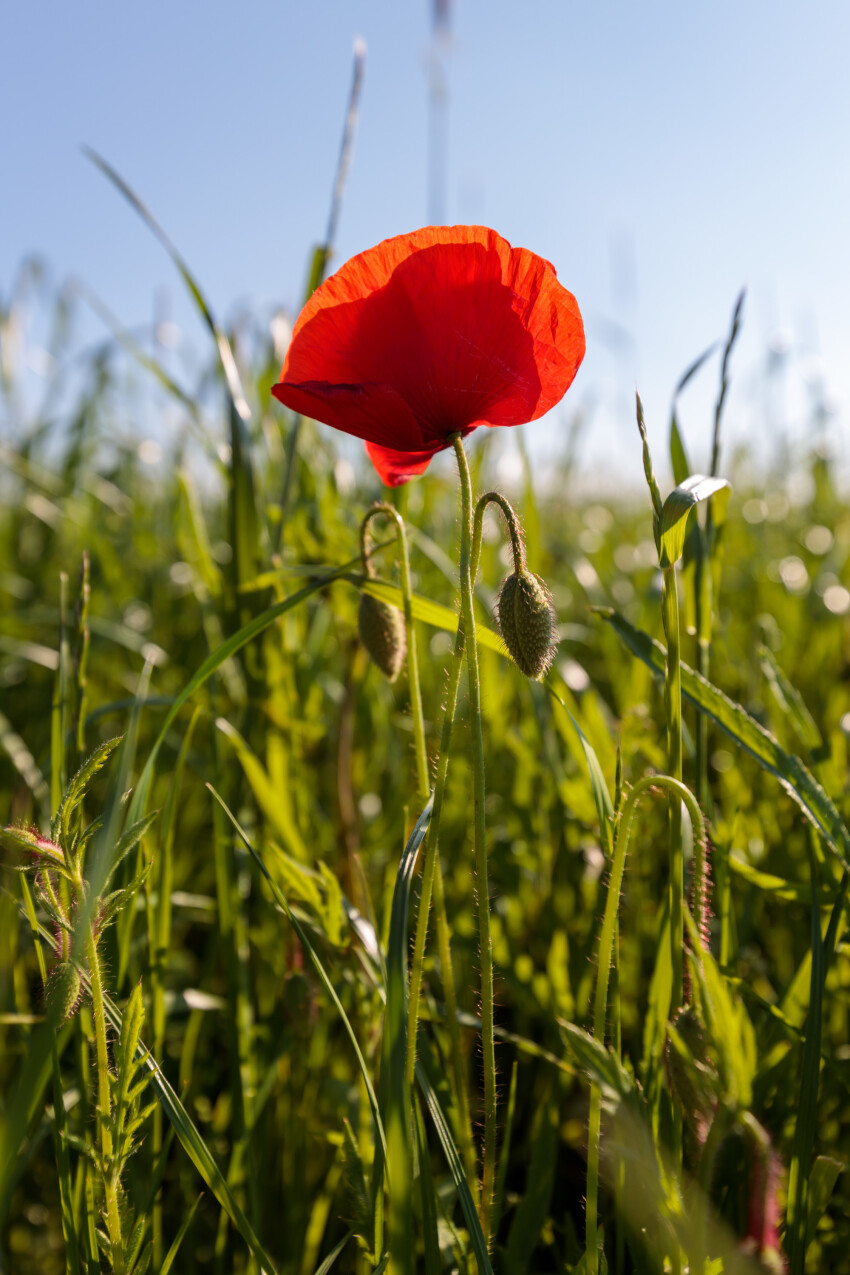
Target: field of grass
(199,600)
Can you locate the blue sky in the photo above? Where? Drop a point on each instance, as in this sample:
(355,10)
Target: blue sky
(660,155)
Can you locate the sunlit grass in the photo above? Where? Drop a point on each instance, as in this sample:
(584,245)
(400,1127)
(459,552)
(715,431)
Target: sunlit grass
(272,901)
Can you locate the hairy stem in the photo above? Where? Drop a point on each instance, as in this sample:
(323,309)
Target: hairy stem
(678,793)
(104,1106)
(485,940)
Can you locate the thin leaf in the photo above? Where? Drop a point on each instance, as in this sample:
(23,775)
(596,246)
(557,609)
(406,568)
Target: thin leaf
(790,701)
(433,613)
(334,1254)
(456,1169)
(395,1106)
(225,353)
(214,661)
(601,796)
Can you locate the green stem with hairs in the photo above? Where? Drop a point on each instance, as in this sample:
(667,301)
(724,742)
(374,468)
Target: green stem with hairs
(673,709)
(479,827)
(432,877)
(678,793)
(432,883)
(388,511)
(104,1105)
(432,880)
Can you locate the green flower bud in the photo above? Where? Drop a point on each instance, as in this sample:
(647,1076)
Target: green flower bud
(63,990)
(526,619)
(382,633)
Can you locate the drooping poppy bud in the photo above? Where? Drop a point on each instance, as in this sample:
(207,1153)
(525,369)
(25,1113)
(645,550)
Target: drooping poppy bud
(63,990)
(382,633)
(526,619)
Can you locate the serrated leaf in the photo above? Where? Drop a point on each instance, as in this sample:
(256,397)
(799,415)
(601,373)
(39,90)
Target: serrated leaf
(676,508)
(128,841)
(76,790)
(119,899)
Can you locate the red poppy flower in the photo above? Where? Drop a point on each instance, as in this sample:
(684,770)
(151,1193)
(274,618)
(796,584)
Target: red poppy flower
(428,335)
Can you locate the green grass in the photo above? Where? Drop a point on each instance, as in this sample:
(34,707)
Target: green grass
(272,906)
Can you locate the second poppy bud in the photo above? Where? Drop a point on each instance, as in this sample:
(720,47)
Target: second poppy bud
(527,622)
(382,633)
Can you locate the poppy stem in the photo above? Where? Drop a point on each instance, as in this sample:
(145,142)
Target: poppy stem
(485,940)
(513,525)
(432,881)
(432,877)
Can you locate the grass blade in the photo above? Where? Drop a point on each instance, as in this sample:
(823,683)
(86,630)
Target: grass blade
(317,965)
(215,660)
(807,1107)
(467,1204)
(334,1254)
(225,353)
(396,1108)
(736,722)
(179,1237)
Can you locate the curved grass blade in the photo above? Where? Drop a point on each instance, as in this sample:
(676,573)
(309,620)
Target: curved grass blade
(317,965)
(601,796)
(795,777)
(395,1105)
(225,353)
(214,661)
(456,1169)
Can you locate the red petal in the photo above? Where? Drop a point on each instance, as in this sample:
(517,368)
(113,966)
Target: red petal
(431,333)
(395,467)
(376,413)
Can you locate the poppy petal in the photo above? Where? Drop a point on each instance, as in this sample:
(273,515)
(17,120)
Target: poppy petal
(376,413)
(395,467)
(433,333)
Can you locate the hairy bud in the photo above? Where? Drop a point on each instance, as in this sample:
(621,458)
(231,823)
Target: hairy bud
(382,633)
(63,990)
(526,619)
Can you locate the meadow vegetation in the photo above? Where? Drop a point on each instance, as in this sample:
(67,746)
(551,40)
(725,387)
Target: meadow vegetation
(199,1082)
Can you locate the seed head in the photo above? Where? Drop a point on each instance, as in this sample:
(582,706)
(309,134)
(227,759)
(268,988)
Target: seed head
(526,619)
(382,633)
